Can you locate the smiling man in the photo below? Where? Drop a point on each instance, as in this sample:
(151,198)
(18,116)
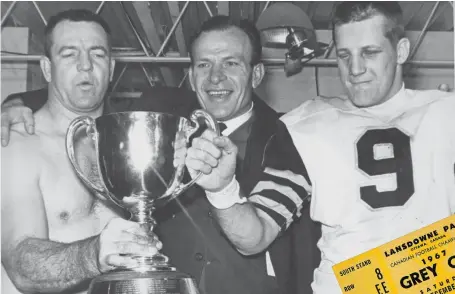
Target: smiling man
(225,69)
(378,164)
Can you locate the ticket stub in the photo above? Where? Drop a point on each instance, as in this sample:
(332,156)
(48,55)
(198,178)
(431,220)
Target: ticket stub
(422,262)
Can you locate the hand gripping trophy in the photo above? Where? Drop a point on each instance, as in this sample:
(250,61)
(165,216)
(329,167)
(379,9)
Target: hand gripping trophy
(139,170)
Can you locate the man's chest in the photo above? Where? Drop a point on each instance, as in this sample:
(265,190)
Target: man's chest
(376,169)
(72,210)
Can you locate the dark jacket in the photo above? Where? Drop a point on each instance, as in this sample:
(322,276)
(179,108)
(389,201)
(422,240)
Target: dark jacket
(191,237)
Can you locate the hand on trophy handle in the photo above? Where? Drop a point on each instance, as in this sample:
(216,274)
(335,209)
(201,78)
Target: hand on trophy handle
(214,156)
(181,149)
(122,239)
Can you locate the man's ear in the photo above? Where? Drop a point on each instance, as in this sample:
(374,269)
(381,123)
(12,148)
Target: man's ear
(45,65)
(258,74)
(190,76)
(112,69)
(403,47)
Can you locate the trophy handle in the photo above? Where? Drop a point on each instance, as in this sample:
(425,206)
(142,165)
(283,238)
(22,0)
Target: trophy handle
(89,123)
(211,124)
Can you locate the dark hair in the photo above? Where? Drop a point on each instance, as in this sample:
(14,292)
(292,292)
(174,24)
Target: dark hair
(222,23)
(352,11)
(76,15)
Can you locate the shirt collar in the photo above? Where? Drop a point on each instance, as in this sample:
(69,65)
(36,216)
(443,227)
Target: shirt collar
(234,123)
(392,107)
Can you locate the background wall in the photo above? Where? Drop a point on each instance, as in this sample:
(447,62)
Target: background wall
(280,92)
(284,93)
(20,76)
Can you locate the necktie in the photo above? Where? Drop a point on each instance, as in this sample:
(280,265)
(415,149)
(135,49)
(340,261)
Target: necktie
(222,127)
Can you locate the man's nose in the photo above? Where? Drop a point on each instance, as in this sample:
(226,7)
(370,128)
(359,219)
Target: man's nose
(357,66)
(85,62)
(217,75)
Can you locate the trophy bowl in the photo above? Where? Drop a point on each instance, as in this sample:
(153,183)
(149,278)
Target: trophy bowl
(140,167)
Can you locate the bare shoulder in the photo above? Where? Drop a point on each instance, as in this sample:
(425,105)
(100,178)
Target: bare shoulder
(22,159)
(21,145)
(21,165)
(25,147)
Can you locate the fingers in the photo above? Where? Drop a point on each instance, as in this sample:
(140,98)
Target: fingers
(208,157)
(179,156)
(209,135)
(29,121)
(206,146)
(202,156)
(122,239)
(180,141)
(198,166)
(207,150)
(14,115)
(114,260)
(131,248)
(225,144)
(120,231)
(5,130)
(221,142)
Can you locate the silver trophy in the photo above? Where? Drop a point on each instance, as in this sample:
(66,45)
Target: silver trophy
(139,169)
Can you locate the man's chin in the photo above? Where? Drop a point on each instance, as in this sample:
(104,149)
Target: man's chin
(220,116)
(86,106)
(366,101)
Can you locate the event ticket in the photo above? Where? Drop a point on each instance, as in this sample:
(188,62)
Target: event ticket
(422,262)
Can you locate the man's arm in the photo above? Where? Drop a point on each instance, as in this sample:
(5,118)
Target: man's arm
(18,108)
(33,262)
(31,99)
(276,199)
(272,205)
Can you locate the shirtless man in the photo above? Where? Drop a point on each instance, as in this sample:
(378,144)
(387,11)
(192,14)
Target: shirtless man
(56,236)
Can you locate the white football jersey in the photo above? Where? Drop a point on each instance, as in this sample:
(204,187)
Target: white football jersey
(376,173)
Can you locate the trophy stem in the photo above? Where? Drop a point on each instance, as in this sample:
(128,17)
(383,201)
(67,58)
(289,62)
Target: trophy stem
(142,214)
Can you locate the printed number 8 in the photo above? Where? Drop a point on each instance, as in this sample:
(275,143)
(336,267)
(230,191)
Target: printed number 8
(400,164)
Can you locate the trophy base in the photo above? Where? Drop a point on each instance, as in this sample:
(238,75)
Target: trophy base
(159,280)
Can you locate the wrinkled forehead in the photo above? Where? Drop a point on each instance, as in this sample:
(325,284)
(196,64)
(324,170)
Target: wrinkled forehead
(231,42)
(79,33)
(368,32)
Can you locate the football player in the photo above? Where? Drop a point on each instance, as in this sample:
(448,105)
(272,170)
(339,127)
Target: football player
(377,164)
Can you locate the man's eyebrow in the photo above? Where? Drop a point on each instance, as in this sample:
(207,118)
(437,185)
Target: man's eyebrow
(66,48)
(376,47)
(342,50)
(233,57)
(75,48)
(99,48)
(202,59)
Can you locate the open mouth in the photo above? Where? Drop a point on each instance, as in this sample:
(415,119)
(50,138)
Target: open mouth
(85,85)
(218,94)
(359,83)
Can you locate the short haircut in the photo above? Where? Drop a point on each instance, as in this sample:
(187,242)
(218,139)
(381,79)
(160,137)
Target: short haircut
(353,11)
(75,15)
(223,23)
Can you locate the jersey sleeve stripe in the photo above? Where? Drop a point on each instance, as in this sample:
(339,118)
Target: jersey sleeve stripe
(291,176)
(280,192)
(277,217)
(276,201)
(286,182)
